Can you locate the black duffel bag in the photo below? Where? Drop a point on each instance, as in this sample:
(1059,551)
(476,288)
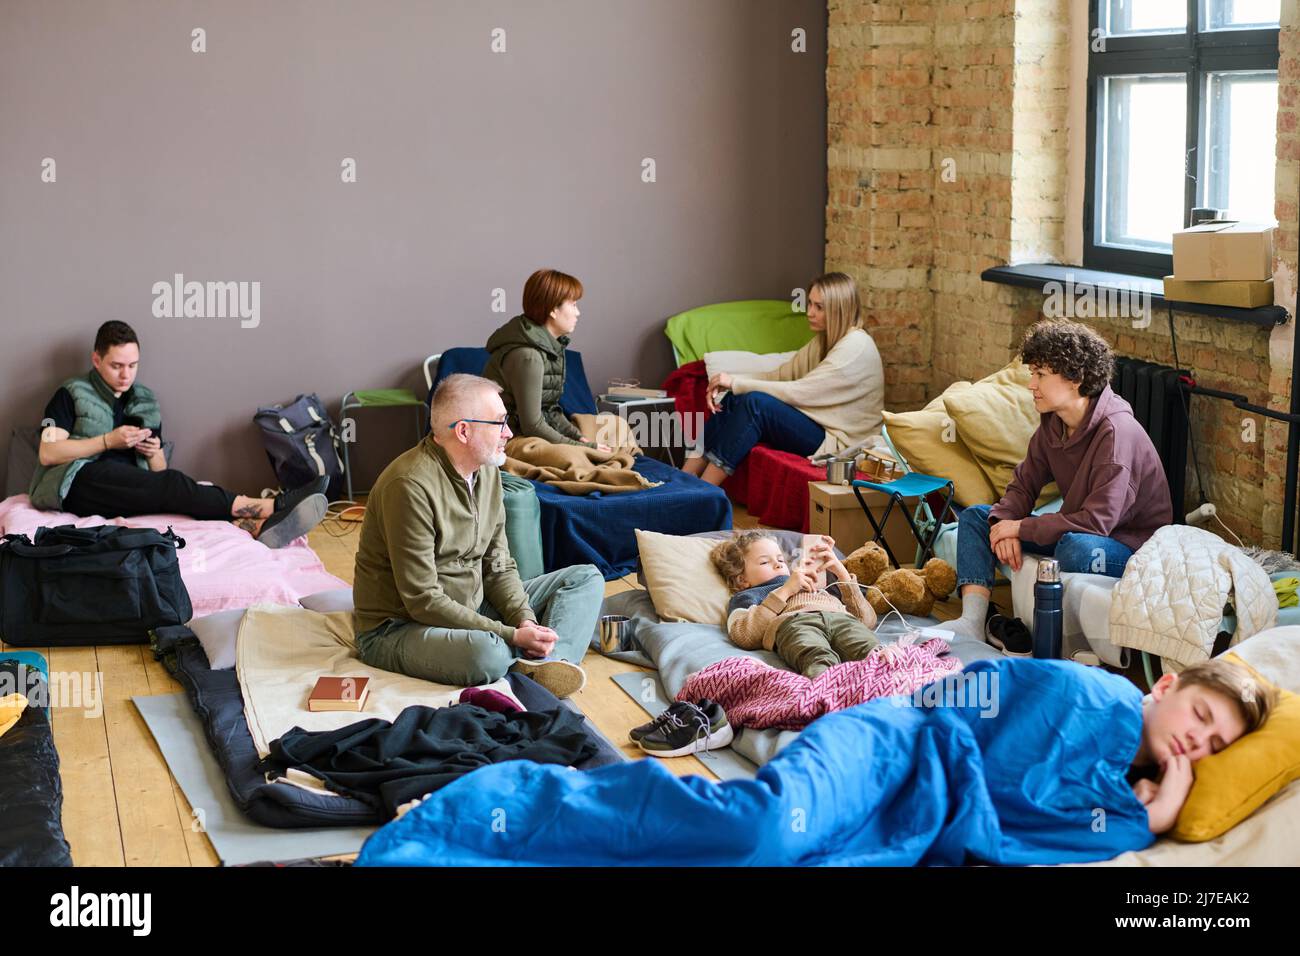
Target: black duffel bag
(100,585)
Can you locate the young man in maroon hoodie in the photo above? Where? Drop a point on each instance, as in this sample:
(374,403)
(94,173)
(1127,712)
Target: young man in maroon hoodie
(1088,442)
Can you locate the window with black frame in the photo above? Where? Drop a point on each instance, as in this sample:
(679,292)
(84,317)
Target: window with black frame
(1182,113)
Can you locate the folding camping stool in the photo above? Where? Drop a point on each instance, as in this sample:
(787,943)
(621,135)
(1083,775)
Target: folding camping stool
(911,485)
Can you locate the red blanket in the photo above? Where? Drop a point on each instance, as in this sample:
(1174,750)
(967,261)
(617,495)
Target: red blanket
(757,695)
(772,485)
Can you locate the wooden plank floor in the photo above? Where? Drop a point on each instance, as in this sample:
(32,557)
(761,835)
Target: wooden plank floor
(123,808)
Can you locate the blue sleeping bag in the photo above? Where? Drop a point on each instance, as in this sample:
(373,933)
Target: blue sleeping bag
(1011,761)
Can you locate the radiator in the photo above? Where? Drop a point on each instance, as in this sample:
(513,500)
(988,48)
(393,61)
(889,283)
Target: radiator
(1157,400)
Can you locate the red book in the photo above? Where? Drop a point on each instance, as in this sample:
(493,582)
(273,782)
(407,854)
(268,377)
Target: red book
(339,693)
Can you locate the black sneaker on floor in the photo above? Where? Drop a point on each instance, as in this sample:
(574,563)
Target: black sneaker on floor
(293,522)
(677,707)
(688,731)
(1010,636)
(291,498)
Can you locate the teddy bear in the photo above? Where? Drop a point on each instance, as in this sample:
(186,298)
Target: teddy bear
(908,590)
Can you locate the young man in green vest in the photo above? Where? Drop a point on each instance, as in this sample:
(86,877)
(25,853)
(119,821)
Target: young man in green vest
(436,593)
(101,454)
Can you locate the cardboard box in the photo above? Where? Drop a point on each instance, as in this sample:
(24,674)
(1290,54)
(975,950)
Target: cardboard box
(1214,251)
(1239,294)
(834,510)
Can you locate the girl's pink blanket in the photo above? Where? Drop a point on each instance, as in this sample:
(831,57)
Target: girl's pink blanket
(758,695)
(222,566)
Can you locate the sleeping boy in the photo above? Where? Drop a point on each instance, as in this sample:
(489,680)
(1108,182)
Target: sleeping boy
(1186,717)
(876,784)
(790,611)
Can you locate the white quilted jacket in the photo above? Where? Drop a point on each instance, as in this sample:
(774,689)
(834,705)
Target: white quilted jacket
(1170,600)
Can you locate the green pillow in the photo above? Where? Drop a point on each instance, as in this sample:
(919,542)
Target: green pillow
(754,325)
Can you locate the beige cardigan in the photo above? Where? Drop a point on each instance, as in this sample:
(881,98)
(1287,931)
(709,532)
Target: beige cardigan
(755,627)
(843,391)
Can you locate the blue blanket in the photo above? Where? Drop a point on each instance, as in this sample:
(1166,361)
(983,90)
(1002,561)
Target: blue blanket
(601,529)
(1014,761)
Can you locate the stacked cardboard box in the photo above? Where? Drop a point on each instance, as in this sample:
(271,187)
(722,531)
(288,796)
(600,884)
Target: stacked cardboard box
(1223,263)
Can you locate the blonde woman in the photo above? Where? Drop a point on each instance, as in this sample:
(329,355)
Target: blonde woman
(827,398)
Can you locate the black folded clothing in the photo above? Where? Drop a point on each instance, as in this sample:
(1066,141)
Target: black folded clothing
(216,698)
(31,791)
(387,764)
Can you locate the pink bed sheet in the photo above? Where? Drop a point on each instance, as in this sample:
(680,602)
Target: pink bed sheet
(222,566)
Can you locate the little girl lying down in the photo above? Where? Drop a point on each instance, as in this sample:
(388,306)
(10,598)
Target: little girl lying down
(1011,761)
(789,611)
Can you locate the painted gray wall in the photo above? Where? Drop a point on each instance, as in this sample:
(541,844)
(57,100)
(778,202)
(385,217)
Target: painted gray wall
(474,168)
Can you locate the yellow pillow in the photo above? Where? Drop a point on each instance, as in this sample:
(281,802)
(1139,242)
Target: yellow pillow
(1234,783)
(682,581)
(995,417)
(928,439)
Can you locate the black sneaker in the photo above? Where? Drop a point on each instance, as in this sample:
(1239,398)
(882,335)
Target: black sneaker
(677,707)
(291,523)
(688,731)
(289,499)
(1009,635)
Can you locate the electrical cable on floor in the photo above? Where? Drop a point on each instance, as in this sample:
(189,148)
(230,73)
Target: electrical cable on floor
(345,514)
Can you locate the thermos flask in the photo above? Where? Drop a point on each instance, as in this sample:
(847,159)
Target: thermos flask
(1047,610)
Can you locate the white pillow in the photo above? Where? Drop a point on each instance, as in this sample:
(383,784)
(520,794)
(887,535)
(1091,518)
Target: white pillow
(327,602)
(682,581)
(743,363)
(217,633)
(1275,653)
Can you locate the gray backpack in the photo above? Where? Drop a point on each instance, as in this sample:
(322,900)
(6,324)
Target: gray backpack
(302,443)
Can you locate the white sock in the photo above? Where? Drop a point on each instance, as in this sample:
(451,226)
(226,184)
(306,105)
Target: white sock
(974,608)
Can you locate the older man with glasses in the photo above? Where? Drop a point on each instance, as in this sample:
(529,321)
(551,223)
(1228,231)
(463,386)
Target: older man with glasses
(436,592)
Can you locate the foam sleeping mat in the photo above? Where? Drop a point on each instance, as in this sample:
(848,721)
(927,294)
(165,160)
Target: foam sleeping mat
(216,698)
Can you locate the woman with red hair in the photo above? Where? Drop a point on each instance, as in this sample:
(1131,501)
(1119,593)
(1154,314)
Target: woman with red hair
(527,359)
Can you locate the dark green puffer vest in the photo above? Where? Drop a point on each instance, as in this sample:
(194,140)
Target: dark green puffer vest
(93,401)
(522,333)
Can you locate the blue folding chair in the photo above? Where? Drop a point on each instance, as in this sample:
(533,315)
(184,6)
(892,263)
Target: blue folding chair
(911,485)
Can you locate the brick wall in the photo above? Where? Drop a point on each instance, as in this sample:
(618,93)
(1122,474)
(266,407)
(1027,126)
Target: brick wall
(948,149)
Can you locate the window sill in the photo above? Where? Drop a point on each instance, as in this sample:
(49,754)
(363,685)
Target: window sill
(1037,275)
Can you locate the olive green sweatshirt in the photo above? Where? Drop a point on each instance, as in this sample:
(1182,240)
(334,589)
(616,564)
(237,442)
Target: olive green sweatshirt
(527,362)
(431,550)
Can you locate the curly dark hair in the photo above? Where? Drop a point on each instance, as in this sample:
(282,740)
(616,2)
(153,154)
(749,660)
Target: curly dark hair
(1071,350)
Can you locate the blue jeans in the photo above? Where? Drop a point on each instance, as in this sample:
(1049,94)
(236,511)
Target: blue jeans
(745,420)
(1076,552)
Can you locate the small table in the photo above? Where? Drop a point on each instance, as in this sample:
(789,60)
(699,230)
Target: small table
(653,419)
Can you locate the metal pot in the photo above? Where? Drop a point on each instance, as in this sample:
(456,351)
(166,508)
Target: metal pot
(840,471)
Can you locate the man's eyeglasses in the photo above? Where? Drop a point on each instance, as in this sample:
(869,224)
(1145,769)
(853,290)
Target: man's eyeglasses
(479,421)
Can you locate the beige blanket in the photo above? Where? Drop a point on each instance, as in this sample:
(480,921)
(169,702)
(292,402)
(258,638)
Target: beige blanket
(575,469)
(280,651)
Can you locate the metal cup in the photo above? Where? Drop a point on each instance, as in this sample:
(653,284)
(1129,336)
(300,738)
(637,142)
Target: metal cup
(613,633)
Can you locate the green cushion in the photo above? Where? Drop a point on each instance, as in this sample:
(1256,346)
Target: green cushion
(523,525)
(386,396)
(754,325)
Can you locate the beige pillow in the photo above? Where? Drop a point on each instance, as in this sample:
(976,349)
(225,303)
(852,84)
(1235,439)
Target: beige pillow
(931,444)
(682,581)
(995,418)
